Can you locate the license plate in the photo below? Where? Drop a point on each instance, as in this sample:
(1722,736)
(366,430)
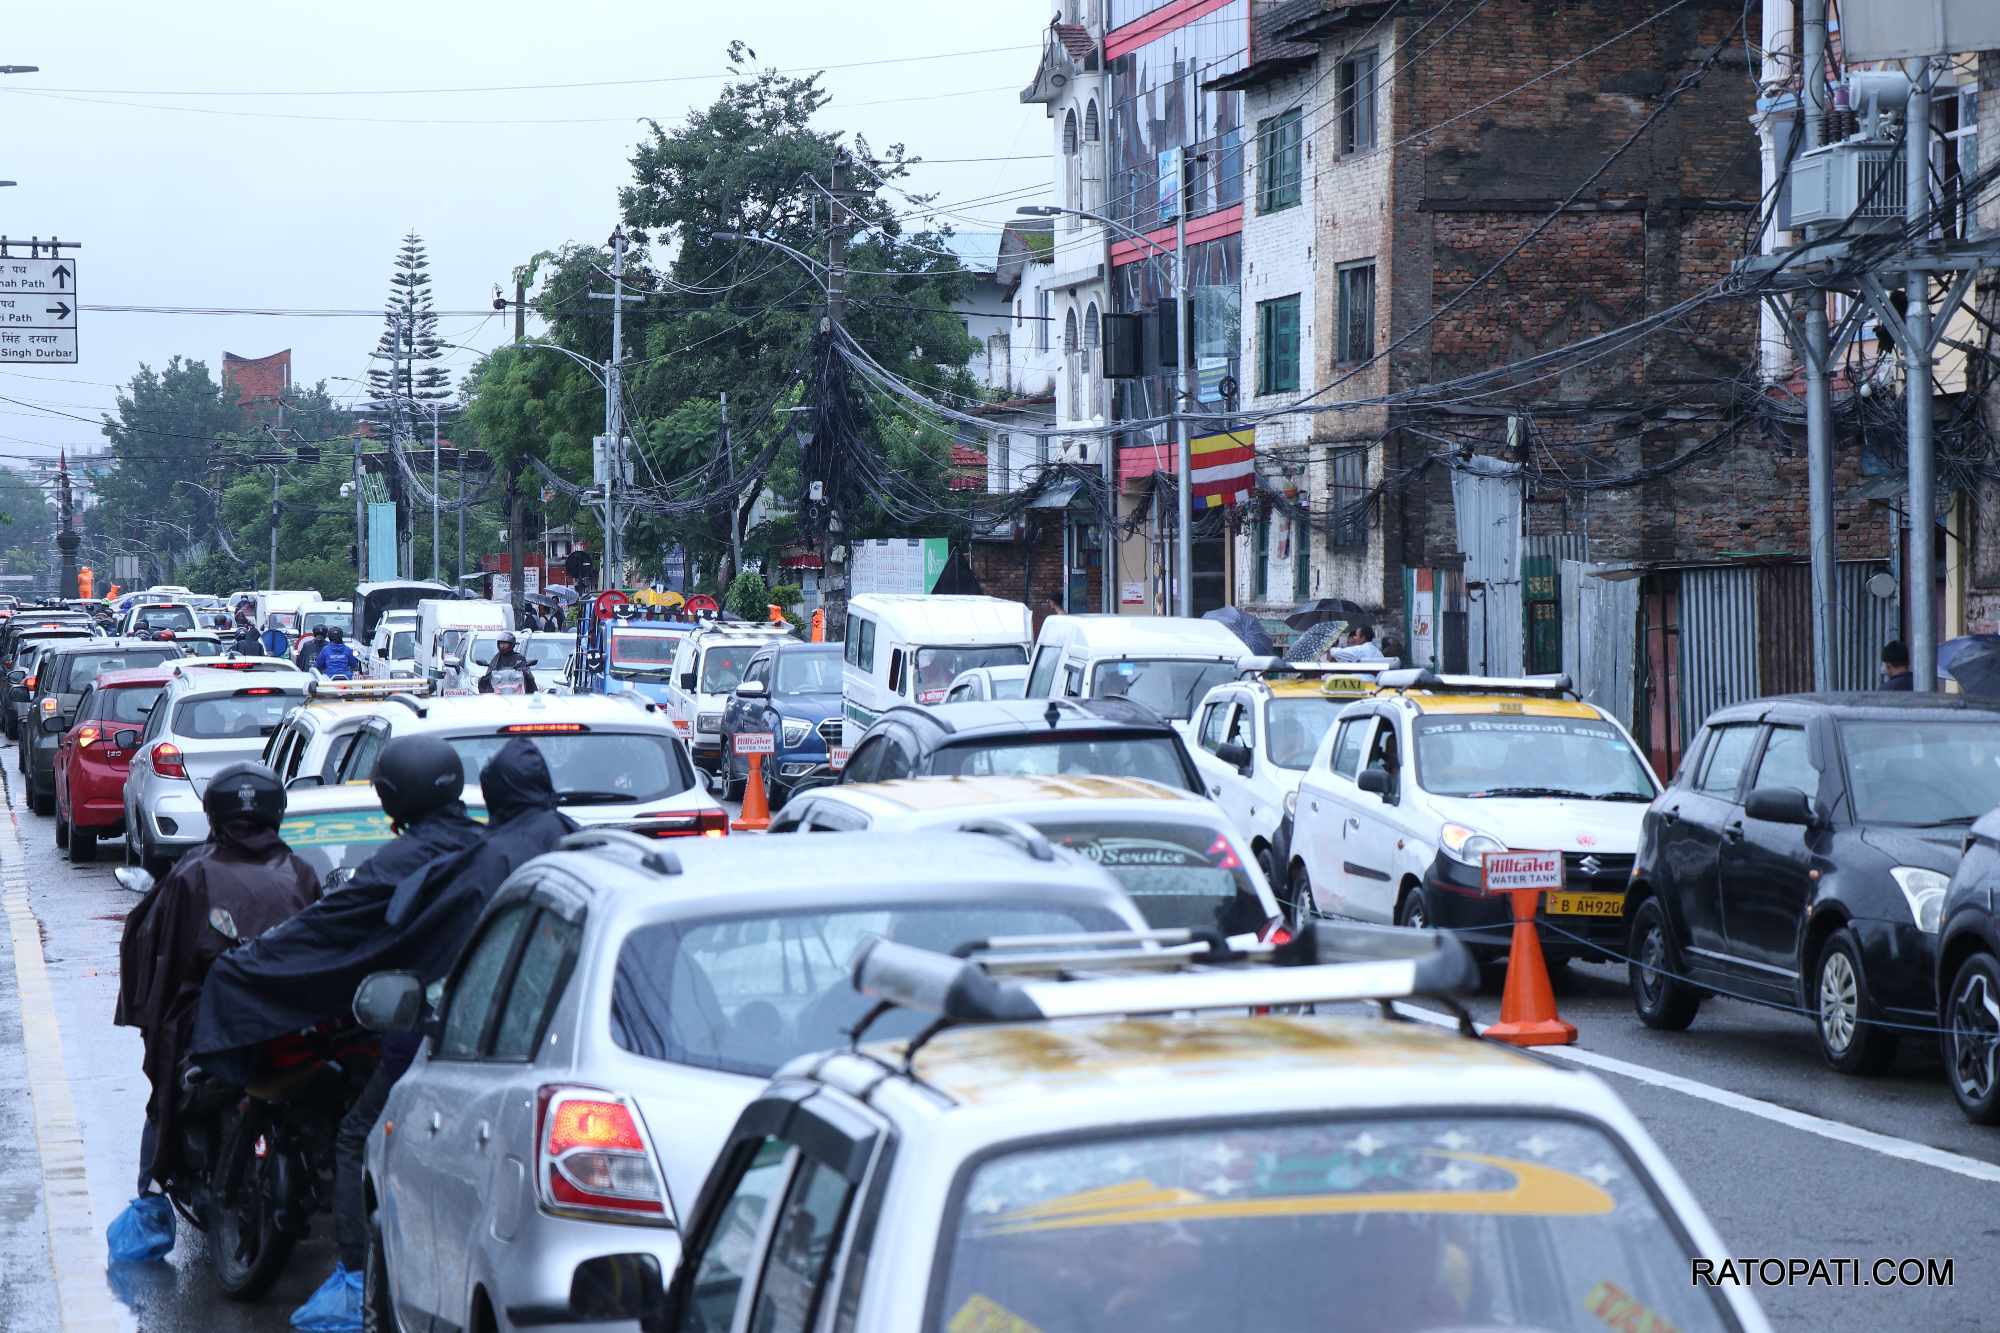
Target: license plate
(1584,904)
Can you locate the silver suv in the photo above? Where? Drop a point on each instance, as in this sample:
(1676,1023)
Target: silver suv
(207,718)
(620,1003)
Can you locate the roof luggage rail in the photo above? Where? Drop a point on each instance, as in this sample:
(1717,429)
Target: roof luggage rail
(1422,678)
(645,852)
(1264,668)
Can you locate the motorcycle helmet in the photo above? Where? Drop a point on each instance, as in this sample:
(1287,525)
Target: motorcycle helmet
(333,633)
(246,793)
(507,641)
(416,775)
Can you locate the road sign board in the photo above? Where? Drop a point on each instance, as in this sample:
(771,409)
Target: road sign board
(48,277)
(32,310)
(755,742)
(43,346)
(38,311)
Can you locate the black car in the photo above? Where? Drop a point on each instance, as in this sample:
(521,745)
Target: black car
(1968,975)
(790,691)
(62,672)
(20,683)
(1801,857)
(1024,737)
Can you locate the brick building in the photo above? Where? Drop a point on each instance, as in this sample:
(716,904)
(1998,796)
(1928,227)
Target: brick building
(259,384)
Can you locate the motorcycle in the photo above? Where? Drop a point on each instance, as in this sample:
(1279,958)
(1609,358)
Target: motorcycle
(256,1144)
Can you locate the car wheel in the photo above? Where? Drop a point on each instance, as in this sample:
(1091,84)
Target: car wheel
(775,794)
(1299,905)
(1972,1038)
(1660,998)
(82,845)
(1265,864)
(1849,1035)
(1415,911)
(733,787)
(40,804)
(378,1310)
(62,830)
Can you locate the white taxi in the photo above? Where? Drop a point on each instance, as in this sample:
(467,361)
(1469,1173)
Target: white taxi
(1417,783)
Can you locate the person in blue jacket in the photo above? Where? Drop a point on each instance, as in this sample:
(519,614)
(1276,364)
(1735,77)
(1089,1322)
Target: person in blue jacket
(337,659)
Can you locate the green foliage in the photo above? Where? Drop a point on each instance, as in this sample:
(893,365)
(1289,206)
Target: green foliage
(748,597)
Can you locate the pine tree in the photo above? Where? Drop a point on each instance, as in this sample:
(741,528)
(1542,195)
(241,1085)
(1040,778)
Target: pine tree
(407,355)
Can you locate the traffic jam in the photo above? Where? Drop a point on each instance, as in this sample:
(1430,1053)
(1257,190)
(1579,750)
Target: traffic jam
(418,971)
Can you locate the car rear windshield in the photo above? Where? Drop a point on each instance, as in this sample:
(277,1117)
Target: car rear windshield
(1930,772)
(1296,728)
(748,993)
(593,767)
(1168,687)
(200,647)
(1176,874)
(238,716)
(128,703)
(938,667)
(340,620)
(155,618)
(86,667)
(1495,755)
(1115,755)
(1410,1222)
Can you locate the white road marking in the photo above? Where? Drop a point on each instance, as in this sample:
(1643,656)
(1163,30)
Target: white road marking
(76,1246)
(1839,1131)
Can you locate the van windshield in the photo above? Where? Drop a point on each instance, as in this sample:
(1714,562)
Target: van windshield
(341,620)
(938,667)
(722,666)
(1170,687)
(638,656)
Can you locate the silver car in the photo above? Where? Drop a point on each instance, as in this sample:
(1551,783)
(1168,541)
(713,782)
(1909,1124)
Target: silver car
(620,1003)
(208,716)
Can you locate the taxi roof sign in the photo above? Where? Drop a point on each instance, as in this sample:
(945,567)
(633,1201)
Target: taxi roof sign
(1266,668)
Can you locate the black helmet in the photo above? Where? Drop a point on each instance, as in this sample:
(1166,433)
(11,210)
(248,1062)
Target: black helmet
(319,631)
(246,793)
(507,640)
(335,634)
(416,775)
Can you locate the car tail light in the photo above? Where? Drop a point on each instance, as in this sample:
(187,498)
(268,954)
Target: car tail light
(168,761)
(686,824)
(540,728)
(1275,933)
(87,737)
(592,1156)
(1223,856)
(49,706)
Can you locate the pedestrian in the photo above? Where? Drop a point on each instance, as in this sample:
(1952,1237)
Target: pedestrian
(1896,667)
(1361,647)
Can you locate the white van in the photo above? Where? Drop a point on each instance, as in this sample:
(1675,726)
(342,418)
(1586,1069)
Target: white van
(437,648)
(393,650)
(329,614)
(285,608)
(908,648)
(1167,663)
(708,666)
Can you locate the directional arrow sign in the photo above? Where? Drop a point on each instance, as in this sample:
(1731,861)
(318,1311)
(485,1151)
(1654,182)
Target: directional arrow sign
(49,276)
(21,311)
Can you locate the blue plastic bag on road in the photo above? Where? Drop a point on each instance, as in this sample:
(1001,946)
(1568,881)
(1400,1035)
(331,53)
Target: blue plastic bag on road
(334,1308)
(145,1230)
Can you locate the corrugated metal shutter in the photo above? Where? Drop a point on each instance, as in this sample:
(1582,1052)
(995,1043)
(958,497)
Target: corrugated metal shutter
(1486,502)
(1784,629)
(1718,642)
(1867,622)
(1601,637)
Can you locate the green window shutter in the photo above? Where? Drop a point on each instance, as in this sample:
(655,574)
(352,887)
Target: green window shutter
(1301,556)
(1260,572)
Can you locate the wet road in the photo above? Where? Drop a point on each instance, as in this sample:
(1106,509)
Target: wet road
(1789,1159)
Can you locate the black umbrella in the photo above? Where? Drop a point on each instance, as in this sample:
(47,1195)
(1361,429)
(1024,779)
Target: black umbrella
(1324,609)
(1245,627)
(1978,671)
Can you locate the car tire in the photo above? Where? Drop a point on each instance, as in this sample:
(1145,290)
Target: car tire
(82,845)
(1663,1001)
(775,792)
(40,804)
(1299,906)
(1265,864)
(378,1309)
(1972,1006)
(733,787)
(62,831)
(1414,912)
(1845,1013)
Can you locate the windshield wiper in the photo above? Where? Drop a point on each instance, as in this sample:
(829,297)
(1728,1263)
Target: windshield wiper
(595,798)
(1533,791)
(1949,822)
(1639,796)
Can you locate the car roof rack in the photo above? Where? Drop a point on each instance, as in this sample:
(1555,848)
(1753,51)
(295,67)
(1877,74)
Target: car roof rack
(645,852)
(1270,668)
(1028,979)
(1422,678)
(388,687)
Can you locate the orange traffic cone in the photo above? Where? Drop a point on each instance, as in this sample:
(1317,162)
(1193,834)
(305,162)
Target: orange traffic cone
(757,817)
(1528,1004)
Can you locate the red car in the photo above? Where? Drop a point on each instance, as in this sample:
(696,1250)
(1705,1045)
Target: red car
(91,762)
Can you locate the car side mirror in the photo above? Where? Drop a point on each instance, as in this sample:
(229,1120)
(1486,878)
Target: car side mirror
(687,680)
(1781,805)
(619,1288)
(390,1002)
(1235,755)
(125,739)
(1374,779)
(305,780)
(55,724)
(751,689)
(133,879)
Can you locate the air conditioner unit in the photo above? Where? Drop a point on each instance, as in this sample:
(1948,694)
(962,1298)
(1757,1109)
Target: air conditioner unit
(1860,180)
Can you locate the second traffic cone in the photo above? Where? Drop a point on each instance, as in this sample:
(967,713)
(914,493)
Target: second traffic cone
(1528,1004)
(757,811)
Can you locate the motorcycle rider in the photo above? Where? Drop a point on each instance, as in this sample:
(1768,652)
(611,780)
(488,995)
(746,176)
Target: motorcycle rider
(410,906)
(246,643)
(337,659)
(309,648)
(244,878)
(508,658)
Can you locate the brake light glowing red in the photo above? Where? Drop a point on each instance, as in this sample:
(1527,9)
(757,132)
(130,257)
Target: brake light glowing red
(168,761)
(1277,935)
(590,1124)
(540,728)
(593,1156)
(256,689)
(686,824)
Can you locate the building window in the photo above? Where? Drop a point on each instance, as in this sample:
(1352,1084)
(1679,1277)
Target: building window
(1302,545)
(1278,345)
(1091,132)
(1042,321)
(1041,451)
(1356,331)
(1355,93)
(1069,330)
(1260,556)
(1091,328)
(1017,314)
(1349,486)
(1280,164)
(1003,457)
(1069,133)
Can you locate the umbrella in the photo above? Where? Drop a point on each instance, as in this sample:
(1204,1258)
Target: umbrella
(1311,645)
(1977,671)
(1244,626)
(1324,609)
(561,592)
(1951,649)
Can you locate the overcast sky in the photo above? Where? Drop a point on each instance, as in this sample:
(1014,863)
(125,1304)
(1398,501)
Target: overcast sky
(187,197)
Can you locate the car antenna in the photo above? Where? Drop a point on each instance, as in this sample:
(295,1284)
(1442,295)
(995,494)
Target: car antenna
(1053,716)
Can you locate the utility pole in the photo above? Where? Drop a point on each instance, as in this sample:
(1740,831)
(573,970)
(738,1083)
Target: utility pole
(729,461)
(517,498)
(458,575)
(1183,395)
(1917,350)
(1819,398)
(614,402)
(360,517)
(274,527)
(836,249)
(434,492)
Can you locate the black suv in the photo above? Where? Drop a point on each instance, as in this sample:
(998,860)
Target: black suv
(1024,737)
(62,672)
(1800,859)
(1968,975)
(14,701)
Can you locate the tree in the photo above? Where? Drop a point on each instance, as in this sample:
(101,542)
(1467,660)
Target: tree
(409,344)
(168,427)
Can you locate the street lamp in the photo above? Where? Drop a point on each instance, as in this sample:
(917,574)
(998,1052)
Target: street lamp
(1184,451)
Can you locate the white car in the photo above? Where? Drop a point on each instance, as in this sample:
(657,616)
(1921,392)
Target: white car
(1415,784)
(393,650)
(1254,736)
(708,666)
(1174,853)
(978,684)
(471,652)
(315,736)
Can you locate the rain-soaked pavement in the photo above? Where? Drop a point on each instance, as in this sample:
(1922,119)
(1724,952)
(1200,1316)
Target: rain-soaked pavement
(56,1277)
